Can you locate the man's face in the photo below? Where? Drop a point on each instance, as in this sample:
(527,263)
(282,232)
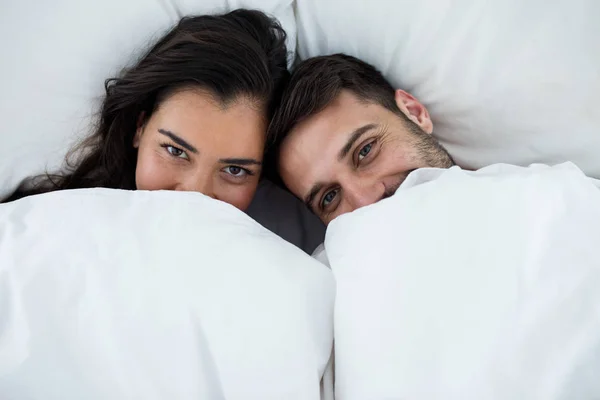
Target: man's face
(354,153)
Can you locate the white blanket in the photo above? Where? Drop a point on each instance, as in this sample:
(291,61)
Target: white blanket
(109,294)
(471,285)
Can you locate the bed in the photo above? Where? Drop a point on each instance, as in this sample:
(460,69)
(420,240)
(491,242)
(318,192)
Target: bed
(465,284)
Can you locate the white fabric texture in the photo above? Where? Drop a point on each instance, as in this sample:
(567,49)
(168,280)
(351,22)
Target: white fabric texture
(320,254)
(56,56)
(515,81)
(109,294)
(470,285)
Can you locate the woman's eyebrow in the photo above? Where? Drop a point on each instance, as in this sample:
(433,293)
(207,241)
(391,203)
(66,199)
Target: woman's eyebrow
(240,161)
(178,140)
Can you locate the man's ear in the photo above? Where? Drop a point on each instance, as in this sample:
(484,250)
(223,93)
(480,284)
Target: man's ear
(414,110)
(139,130)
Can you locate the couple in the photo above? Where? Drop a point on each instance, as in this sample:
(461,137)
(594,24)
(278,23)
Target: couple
(199,110)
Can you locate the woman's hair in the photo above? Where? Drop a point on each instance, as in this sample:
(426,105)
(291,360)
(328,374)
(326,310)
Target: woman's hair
(241,53)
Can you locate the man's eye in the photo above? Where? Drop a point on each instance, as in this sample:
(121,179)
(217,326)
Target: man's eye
(176,152)
(364,151)
(328,198)
(238,172)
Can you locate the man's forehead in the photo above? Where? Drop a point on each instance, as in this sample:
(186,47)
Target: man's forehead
(334,123)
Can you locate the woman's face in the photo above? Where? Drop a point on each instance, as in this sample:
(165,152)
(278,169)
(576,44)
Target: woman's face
(194,143)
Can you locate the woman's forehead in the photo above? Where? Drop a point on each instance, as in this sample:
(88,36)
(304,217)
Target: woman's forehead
(198,119)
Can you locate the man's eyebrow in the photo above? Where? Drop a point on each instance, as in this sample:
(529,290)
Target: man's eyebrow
(353,138)
(308,200)
(240,161)
(178,140)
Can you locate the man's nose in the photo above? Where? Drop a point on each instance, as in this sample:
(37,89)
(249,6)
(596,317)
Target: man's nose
(363,192)
(201,182)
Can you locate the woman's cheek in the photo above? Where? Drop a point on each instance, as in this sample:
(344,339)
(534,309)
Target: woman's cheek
(239,196)
(153,173)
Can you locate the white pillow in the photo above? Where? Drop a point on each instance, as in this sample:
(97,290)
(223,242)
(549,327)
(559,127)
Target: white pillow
(110,294)
(512,81)
(466,285)
(56,56)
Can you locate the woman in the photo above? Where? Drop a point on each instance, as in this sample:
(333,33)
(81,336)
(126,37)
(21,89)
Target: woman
(191,115)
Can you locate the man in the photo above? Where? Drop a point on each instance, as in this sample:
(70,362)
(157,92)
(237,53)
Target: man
(344,138)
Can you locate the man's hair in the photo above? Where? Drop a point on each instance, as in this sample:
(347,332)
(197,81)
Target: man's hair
(318,81)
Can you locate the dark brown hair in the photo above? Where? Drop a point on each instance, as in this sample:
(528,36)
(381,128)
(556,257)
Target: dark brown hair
(318,81)
(241,53)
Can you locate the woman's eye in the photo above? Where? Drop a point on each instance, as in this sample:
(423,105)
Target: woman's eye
(176,152)
(236,171)
(328,198)
(364,151)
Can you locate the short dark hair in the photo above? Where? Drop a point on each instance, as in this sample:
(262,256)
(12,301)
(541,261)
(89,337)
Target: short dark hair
(234,55)
(317,82)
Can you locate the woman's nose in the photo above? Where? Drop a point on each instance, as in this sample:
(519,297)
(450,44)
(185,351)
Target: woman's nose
(201,182)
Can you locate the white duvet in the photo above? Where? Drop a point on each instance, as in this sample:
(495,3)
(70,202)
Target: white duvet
(471,285)
(464,285)
(108,294)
